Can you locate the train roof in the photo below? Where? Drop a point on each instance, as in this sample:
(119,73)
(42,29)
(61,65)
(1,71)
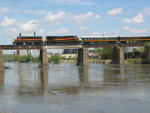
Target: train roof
(111,36)
(31,36)
(135,36)
(98,36)
(63,36)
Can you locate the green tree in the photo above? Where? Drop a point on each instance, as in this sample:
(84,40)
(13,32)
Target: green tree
(55,59)
(105,52)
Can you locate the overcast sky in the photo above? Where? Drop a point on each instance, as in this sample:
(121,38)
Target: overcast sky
(73,17)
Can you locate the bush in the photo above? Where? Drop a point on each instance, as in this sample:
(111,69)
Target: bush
(135,61)
(105,53)
(55,59)
(24,58)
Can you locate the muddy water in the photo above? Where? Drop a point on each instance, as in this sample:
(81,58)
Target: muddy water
(67,88)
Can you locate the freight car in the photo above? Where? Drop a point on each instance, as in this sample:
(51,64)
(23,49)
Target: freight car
(28,40)
(62,40)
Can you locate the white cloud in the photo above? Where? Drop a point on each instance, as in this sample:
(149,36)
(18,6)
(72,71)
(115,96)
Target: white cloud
(4,10)
(137,19)
(115,11)
(8,22)
(41,31)
(86,16)
(96,33)
(30,25)
(55,17)
(133,30)
(82,28)
(66,1)
(61,31)
(72,2)
(35,12)
(146,11)
(97,16)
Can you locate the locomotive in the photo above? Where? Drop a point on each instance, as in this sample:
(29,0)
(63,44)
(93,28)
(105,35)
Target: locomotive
(65,40)
(50,40)
(28,40)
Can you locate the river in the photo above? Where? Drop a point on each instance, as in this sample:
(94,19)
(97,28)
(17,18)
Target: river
(67,88)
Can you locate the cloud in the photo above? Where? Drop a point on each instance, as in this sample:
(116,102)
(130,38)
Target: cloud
(115,11)
(137,19)
(61,31)
(4,10)
(82,28)
(35,12)
(62,16)
(97,17)
(30,25)
(86,16)
(146,11)
(133,30)
(8,22)
(71,2)
(96,33)
(55,17)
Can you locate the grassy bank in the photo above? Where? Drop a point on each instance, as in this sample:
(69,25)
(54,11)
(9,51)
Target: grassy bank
(22,59)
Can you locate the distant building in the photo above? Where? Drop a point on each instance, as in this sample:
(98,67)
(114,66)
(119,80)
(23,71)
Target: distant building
(70,51)
(130,49)
(34,53)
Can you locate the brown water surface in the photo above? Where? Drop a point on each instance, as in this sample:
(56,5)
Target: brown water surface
(67,88)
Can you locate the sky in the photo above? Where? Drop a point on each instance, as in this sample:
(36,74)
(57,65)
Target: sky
(73,17)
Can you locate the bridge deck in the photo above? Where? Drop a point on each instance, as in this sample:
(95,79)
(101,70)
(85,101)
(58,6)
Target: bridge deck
(14,47)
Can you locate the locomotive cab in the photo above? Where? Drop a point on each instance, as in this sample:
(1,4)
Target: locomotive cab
(28,40)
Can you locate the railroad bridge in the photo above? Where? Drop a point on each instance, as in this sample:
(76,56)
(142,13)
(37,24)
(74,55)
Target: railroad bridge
(117,57)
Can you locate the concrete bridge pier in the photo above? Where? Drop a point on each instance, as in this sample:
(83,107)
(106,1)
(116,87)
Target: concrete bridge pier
(117,56)
(43,59)
(82,57)
(1,60)
(147,50)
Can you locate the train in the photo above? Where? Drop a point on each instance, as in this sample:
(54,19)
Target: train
(50,40)
(75,40)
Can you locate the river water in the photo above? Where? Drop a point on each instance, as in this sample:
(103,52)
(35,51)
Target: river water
(67,88)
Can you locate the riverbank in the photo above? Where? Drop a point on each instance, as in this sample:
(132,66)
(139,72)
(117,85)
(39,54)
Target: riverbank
(108,61)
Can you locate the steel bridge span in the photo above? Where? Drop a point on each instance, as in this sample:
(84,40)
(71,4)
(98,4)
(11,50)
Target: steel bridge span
(20,47)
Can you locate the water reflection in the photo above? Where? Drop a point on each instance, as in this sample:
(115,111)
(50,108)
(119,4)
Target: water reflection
(44,77)
(115,73)
(83,74)
(2,77)
(73,79)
